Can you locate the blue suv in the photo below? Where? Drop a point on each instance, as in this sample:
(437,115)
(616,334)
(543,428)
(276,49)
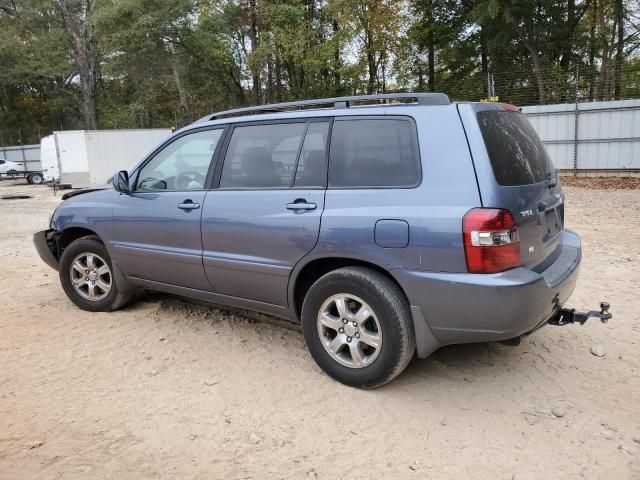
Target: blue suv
(387,225)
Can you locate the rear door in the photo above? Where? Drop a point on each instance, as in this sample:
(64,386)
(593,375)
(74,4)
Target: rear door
(515,172)
(264,215)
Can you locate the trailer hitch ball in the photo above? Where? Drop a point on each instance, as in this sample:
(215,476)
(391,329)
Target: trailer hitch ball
(566,316)
(604,311)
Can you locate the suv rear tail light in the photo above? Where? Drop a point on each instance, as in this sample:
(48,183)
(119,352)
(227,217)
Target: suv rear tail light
(491,242)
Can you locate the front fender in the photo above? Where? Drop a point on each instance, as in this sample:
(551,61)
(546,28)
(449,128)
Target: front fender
(92,211)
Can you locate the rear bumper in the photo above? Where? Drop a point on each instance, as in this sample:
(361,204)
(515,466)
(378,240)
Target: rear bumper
(464,307)
(45,246)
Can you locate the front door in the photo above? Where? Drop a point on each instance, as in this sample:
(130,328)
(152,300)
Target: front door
(265,215)
(156,229)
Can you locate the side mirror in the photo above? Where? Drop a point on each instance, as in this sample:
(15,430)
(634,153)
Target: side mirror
(121,182)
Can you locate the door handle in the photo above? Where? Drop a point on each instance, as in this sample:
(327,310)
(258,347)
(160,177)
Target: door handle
(188,205)
(301,204)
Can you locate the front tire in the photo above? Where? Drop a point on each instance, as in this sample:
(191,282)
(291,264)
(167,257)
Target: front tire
(357,326)
(86,274)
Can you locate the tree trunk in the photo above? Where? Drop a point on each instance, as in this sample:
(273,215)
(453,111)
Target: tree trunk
(617,88)
(269,89)
(537,71)
(592,49)
(58,86)
(484,56)
(604,87)
(383,63)
(177,78)
(278,75)
(337,64)
(371,61)
(565,60)
(86,56)
(295,78)
(431,48)
(240,96)
(255,44)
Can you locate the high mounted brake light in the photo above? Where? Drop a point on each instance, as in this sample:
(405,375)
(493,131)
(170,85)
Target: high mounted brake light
(511,108)
(491,242)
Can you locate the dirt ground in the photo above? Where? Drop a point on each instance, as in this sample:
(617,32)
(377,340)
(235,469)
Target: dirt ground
(165,389)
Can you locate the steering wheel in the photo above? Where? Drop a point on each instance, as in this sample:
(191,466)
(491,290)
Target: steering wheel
(151,183)
(184,179)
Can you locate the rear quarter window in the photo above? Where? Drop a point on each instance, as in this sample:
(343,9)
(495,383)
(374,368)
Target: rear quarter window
(374,153)
(517,155)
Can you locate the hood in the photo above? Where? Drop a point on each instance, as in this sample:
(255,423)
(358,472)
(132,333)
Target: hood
(84,190)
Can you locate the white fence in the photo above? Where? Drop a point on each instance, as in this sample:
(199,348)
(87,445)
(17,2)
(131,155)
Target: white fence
(596,138)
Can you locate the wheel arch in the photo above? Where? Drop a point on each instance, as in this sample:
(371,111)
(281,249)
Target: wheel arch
(70,234)
(306,275)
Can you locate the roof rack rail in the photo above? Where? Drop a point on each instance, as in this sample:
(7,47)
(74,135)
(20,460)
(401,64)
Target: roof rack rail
(336,102)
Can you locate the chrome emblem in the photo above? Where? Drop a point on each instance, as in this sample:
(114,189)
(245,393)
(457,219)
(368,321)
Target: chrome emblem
(526,213)
(532,249)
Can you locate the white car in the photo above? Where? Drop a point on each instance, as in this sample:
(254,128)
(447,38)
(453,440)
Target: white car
(7,166)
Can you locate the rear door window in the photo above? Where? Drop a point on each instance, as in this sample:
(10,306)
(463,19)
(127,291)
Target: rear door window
(374,153)
(312,164)
(262,156)
(517,155)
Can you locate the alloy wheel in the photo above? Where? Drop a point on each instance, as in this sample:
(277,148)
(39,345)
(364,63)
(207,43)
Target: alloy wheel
(91,276)
(349,330)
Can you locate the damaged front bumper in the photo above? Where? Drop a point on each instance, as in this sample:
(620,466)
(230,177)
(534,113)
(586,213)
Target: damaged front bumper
(47,247)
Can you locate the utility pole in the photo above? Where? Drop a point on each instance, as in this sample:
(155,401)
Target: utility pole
(491,86)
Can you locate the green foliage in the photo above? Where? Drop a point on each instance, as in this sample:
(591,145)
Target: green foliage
(168,62)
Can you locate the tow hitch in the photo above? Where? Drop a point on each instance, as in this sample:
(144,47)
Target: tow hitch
(566,316)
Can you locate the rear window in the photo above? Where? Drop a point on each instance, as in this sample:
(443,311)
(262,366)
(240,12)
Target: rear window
(517,154)
(374,153)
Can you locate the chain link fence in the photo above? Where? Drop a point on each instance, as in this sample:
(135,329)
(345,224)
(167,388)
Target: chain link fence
(547,86)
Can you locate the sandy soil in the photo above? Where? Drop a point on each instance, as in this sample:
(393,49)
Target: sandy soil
(165,389)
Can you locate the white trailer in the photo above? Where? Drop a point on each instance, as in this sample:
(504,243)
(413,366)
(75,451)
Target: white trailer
(84,158)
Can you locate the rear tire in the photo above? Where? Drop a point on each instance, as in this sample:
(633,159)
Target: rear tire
(87,276)
(375,343)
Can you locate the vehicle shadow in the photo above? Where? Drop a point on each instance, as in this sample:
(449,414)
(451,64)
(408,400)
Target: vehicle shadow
(464,363)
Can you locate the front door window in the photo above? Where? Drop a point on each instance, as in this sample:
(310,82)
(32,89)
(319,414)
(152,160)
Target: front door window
(182,165)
